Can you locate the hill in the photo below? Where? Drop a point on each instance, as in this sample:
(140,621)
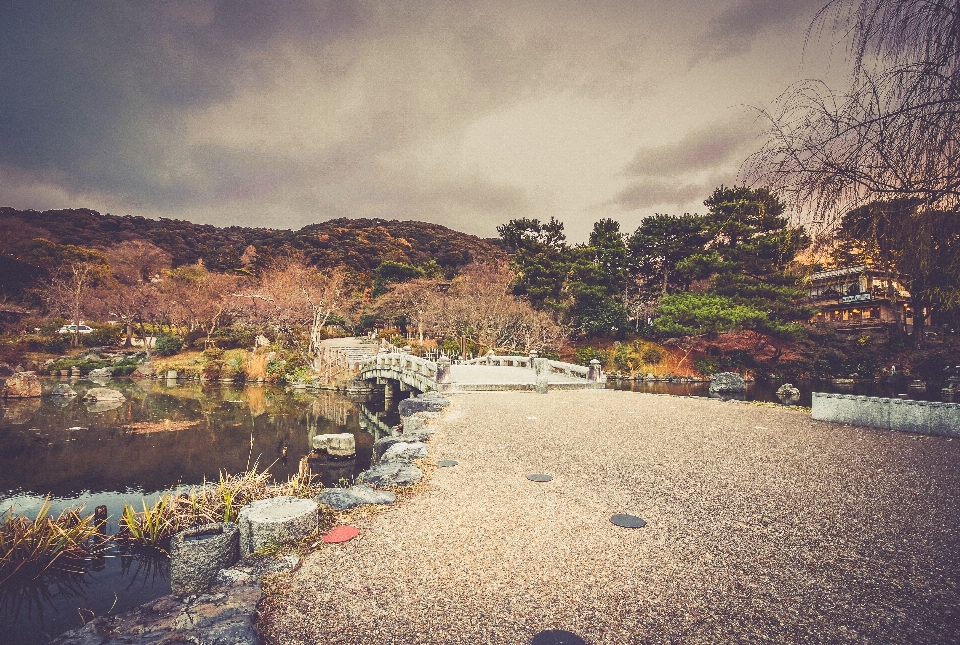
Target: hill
(361,244)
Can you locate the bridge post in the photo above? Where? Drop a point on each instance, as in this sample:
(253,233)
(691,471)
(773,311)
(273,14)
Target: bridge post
(594,374)
(533,358)
(490,355)
(443,370)
(542,366)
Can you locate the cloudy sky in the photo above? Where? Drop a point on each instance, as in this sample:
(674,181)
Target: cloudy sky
(467,114)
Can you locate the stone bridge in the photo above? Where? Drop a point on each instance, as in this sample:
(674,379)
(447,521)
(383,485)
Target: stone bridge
(488,372)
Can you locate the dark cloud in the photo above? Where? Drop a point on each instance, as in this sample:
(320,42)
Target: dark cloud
(701,149)
(284,112)
(733,31)
(674,173)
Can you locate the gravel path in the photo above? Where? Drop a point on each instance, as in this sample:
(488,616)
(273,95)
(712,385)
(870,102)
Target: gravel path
(763,526)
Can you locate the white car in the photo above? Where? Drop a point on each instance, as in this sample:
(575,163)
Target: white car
(69,329)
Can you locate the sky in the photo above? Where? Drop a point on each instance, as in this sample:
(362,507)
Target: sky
(278,114)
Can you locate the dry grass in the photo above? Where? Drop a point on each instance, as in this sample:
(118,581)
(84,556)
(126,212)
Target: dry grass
(211,502)
(255,366)
(28,548)
(149,427)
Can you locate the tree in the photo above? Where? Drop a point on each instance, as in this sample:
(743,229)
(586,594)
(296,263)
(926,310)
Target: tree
(598,280)
(657,247)
(918,248)
(200,299)
(892,134)
(292,293)
(78,270)
(136,267)
(541,260)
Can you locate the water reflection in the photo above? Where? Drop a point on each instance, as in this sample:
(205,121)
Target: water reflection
(163,435)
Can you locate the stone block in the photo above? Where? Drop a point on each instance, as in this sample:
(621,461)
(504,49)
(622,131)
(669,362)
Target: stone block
(342,499)
(196,555)
(405,451)
(103,394)
(22,385)
(392,475)
(280,520)
(943,419)
(342,444)
(727,382)
(381,445)
(908,416)
(429,402)
(62,389)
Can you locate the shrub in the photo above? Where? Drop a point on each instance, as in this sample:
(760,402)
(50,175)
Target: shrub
(586,354)
(102,336)
(706,365)
(652,356)
(213,362)
(167,345)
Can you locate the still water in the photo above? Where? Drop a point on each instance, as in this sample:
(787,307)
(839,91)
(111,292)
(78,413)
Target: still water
(767,390)
(162,436)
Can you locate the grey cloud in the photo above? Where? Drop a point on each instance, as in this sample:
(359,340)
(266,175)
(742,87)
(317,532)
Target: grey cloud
(735,29)
(645,193)
(705,148)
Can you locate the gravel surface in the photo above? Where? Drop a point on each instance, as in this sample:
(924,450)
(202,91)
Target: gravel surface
(762,526)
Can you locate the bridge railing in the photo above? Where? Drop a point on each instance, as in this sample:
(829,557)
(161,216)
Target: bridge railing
(401,363)
(501,361)
(569,369)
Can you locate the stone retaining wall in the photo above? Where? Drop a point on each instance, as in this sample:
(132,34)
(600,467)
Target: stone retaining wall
(924,417)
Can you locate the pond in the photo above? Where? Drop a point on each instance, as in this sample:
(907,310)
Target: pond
(767,390)
(163,435)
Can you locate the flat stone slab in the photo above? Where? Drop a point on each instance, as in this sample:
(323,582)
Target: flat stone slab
(423,403)
(280,520)
(62,389)
(341,534)
(447,463)
(343,498)
(391,475)
(103,394)
(381,445)
(628,521)
(537,477)
(405,451)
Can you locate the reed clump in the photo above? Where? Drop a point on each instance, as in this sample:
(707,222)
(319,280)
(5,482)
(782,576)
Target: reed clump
(211,502)
(29,548)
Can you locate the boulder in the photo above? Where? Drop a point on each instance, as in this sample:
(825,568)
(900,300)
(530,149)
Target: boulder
(63,390)
(144,369)
(381,445)
(418,423)
(404,451)
(197,554)
(103,394)
(727,382)
(22,385)
(280,520)
(341,499)
(342,444)
(424,403)
(392,475)
(101,372)
(788,394)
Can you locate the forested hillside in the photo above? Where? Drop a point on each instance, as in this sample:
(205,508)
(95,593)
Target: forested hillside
(360,244)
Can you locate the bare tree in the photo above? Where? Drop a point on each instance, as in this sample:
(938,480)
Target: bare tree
(198,298)
(80,270)
(292,293)
(136,267)
(478,305)
(892,134)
